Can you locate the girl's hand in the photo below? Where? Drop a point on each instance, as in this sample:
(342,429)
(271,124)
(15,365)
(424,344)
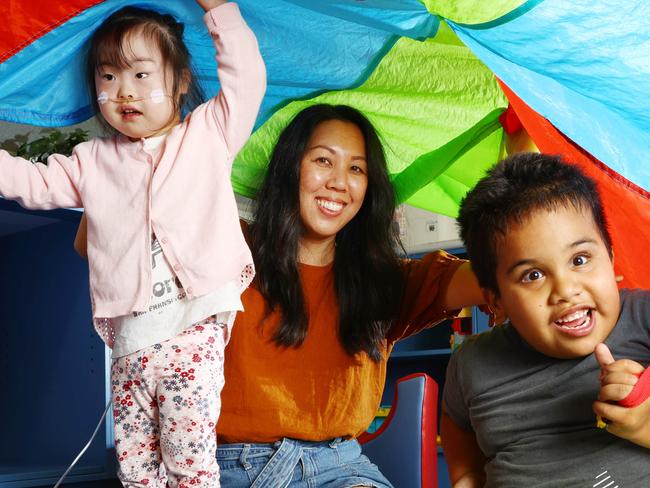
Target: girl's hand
(210,4)
(81,239)
(617,379)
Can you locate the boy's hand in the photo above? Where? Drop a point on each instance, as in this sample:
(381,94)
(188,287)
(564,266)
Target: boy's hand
(617,379)
(210,4)
(470,480)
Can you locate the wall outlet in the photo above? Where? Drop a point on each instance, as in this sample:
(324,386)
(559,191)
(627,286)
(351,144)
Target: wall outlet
(423,231)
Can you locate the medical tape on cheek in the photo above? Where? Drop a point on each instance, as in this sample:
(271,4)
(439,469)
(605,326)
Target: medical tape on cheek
(157,96)
(639,393)
(102,98)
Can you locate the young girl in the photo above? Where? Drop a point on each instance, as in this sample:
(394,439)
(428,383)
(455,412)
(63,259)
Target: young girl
(166,254)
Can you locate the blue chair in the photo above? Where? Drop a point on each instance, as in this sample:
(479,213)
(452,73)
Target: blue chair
(404,447)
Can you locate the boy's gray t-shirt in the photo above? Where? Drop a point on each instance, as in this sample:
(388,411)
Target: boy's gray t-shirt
(533,415)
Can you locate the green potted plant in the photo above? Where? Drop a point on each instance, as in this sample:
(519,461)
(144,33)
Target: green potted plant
(53,141)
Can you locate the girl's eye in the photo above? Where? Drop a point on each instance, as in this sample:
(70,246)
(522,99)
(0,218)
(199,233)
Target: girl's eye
(323,160)
(580,260)
(140,76)
(108,77)
(533,275)
(357,169)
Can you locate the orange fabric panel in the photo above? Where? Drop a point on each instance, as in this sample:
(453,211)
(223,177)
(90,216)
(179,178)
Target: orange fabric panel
(27,20)
(627,206)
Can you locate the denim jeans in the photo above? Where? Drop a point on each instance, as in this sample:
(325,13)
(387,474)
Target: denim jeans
(297,464)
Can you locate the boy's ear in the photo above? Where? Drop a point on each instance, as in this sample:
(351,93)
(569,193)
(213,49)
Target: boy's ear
(619,278)
(494,303)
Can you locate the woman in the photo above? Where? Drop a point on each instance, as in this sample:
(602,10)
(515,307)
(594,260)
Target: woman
(306,363)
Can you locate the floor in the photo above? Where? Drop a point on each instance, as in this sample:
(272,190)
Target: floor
(91,484)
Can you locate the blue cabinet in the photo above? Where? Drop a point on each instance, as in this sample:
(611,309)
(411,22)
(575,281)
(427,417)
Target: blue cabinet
(52,363)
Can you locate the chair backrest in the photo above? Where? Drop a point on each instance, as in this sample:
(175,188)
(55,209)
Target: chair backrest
(404,447)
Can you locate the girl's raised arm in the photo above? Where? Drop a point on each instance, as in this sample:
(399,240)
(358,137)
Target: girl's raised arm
(241,73)
(210,4)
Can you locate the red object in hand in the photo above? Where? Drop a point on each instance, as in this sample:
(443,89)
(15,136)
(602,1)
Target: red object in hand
(639,393)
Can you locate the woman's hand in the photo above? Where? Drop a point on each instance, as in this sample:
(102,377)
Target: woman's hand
(617,379)
(210,4)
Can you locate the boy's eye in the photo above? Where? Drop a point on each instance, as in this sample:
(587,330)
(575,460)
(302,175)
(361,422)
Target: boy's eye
(140,76)
(532,275)
(108,77)
(580,260)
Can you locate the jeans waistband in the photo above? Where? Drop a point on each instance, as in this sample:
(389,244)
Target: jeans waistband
(283,455)
(232,451)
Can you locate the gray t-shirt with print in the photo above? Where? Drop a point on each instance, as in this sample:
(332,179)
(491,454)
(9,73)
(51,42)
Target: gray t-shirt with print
(533,415)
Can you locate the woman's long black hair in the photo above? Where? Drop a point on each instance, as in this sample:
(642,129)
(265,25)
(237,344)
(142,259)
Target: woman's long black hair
(368,278)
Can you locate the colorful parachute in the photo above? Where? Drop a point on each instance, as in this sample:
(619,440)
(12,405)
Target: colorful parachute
(436,78)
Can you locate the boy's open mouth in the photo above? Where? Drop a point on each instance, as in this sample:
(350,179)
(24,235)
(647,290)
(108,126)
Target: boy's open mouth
(578,323)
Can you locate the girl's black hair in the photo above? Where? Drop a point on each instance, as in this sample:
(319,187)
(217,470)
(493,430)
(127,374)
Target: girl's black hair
(512,191)
(368,278)
(107,45)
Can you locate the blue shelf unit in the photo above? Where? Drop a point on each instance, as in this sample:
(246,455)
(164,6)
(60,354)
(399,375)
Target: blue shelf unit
(52,363)
(428,352)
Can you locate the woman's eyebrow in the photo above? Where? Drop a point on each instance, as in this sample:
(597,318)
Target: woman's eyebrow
(329,149)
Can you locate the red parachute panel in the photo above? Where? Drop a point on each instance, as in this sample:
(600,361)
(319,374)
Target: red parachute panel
(31,19)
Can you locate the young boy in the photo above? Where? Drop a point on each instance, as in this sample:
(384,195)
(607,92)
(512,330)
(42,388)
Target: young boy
(519,400)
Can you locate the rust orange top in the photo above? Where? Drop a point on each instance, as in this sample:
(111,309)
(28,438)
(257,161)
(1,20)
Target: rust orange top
(317,391)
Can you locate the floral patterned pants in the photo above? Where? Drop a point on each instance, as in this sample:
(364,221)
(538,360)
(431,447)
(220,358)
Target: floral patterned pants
(166,403)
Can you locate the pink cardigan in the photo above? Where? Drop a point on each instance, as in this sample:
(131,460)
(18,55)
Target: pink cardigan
(188,202)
